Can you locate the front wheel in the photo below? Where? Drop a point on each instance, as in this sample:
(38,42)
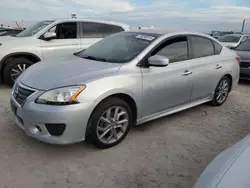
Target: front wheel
(221,91)
(109,123)
(14,68)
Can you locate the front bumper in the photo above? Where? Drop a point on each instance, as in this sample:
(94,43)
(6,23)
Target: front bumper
(244,73)
(31,115)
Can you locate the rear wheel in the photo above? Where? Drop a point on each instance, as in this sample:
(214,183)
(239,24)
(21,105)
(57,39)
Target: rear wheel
(14,68)
(221,91)
(109,123)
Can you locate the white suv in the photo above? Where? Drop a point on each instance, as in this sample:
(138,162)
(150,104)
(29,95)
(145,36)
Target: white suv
(50,39)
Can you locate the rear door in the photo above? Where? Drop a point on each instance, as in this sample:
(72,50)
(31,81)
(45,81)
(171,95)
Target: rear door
(206,67)
(66,42)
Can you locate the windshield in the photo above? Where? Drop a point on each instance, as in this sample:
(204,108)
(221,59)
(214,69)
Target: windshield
(230,38)
(245,46)
(119,48)
(3,33)
(30,31)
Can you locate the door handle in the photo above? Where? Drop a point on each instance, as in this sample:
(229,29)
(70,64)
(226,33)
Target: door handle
(186,73)
(218,66)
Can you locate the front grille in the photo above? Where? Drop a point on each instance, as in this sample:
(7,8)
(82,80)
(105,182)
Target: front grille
(21,93)
(244,64)
(242,75)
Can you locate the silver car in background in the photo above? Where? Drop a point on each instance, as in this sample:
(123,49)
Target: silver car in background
(230,169)
(125,79)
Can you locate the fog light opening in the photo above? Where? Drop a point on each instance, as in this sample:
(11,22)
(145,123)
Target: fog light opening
(38,128)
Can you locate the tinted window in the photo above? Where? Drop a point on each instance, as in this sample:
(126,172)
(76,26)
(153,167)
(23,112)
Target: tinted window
(66,30)
(230,38)
(118,48)
(111,29)
(175,49)
(245,46)
(217,48)
(91,30)
(201,47)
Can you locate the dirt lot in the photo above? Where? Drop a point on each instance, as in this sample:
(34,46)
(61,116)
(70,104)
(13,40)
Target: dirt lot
(170,152)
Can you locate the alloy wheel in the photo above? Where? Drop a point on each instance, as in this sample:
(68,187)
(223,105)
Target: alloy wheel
(17,70)
(222,91)
(112,125)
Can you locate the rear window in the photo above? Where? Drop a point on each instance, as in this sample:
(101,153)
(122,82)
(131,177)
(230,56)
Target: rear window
(201,47)
(217,48)
(110,29)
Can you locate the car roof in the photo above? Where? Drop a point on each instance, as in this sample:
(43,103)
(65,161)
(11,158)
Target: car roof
(168,32)
(125,26)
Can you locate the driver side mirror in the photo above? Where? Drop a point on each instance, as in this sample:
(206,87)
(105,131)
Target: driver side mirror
(158,61)
(49,35)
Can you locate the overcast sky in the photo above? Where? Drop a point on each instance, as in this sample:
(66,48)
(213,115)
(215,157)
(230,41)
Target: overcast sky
(194,15)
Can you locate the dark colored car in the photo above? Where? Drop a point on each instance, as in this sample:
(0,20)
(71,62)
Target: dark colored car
(10,32)
(243,51)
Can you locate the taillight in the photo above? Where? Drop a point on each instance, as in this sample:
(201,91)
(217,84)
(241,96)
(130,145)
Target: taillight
(238,58)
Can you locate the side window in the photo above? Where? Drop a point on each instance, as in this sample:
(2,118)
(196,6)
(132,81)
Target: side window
(91,30)
(217,48)
(65,30)
(174,49)
(111,29)
(201,47)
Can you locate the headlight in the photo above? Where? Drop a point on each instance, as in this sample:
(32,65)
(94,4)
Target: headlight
(61,96)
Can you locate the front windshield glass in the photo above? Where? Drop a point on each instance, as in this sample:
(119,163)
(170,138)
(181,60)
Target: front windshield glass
(3,33)
(30,31)
(245,46)
(229,38)
(119,48)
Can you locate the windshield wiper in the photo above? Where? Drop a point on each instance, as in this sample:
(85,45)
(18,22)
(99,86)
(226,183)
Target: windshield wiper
(95,58)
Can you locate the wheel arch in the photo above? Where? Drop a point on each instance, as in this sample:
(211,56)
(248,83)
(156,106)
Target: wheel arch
(123,96)
(30,56)
(229,76)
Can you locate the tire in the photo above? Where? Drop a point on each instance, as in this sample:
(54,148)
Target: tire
(97,127)
(15,63)
(217,101)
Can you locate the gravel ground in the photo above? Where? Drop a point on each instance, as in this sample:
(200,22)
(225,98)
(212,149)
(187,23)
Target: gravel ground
(170,152)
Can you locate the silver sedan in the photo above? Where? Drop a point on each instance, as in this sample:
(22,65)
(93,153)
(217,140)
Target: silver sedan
(127,78)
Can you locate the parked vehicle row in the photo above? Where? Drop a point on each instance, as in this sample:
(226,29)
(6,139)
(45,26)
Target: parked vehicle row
(50,39)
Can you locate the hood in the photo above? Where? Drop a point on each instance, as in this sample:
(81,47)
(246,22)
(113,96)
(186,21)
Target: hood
(231,44)
(244,55)
(71,71)
(11,38)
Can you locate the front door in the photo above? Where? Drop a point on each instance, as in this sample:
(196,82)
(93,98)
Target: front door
(171,86)
(64,44)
